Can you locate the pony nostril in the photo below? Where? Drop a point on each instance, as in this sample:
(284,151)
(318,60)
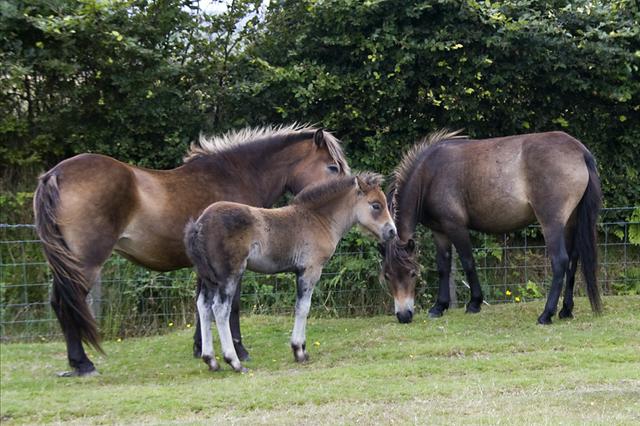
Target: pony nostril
(389,233)
(404,317)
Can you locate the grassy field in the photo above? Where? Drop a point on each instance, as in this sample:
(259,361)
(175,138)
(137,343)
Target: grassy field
(495,367)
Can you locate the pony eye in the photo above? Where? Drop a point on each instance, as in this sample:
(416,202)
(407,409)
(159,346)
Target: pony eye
(386,275)
(376,206)
(412,274)
(333,168)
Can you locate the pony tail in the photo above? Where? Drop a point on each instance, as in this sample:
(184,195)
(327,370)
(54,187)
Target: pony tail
(196,249)
(586,235)
(70,286)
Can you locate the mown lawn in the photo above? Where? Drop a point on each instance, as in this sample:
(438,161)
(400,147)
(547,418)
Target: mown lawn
(495,367)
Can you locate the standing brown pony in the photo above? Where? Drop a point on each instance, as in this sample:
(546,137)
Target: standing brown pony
(89,205)
(230,237)
(495,185)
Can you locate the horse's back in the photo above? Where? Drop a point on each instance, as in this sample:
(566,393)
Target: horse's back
(500,184)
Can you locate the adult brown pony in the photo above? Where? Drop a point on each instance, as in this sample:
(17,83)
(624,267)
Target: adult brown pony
(452,184)
(301,237)
(90,205)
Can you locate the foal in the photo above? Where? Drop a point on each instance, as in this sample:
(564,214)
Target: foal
(228,238)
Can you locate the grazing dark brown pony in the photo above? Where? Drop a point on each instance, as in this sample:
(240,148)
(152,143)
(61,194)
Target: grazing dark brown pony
(230,237)
(89,205)
(452,185)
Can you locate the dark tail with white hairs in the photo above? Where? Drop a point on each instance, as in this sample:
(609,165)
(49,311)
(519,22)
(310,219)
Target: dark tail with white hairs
(195,245)
(586,235)
(70,286)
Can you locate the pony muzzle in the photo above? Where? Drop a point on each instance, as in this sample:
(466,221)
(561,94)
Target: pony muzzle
(389,231)
(404,310)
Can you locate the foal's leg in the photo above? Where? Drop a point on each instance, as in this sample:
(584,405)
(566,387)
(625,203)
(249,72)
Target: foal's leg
(462,241)
(443,260)
(554,238)
(222,310)
(306,282)
(197,337)
(205,299)
(234,324)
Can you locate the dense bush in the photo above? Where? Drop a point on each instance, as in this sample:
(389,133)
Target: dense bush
(139,79)
(384,73)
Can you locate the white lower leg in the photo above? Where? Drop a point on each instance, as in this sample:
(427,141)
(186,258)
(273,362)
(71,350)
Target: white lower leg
(204,312)
(298,336)
(221,311)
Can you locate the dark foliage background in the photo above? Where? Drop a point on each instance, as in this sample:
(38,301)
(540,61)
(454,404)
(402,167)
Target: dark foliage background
(139,79)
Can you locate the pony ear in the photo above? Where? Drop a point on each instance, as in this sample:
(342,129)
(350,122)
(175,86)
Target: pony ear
(361,185)
(411,245)
(318,138)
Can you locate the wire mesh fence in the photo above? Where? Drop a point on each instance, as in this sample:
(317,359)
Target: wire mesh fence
(131,300)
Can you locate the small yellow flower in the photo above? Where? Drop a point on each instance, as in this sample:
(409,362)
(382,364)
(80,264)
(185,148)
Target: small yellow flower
(508,292)
(411,356)
(517,299)
(170,324)
(118,339)
(188,325)
(316,343)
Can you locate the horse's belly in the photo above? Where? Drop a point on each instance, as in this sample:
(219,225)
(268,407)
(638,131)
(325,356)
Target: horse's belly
(503,218)
(264,265)
(156,255)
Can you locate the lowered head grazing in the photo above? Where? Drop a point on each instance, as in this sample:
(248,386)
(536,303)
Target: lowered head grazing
(400,270)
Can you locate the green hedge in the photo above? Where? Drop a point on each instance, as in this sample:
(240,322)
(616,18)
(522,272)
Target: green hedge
(138,79)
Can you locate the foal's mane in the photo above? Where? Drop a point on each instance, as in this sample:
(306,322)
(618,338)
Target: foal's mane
(208,145)
(326,191)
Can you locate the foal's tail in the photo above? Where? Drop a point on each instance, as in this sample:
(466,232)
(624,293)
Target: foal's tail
(70,286)
(586,236)
(195,245)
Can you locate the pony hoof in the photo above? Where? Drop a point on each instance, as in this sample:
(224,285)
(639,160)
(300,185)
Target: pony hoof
(78,373)
(544,320)
(302,359)
(243,355)
(211,363)
(197,352)
(300,352)
(472,309)
(565,314)
(241,370)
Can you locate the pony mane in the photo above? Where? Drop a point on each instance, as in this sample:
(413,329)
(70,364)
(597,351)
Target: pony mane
(409,161)
(207,145)
(397,253)
(323,192)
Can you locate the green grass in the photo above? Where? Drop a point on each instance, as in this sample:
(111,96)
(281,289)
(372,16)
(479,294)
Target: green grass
(495,367)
